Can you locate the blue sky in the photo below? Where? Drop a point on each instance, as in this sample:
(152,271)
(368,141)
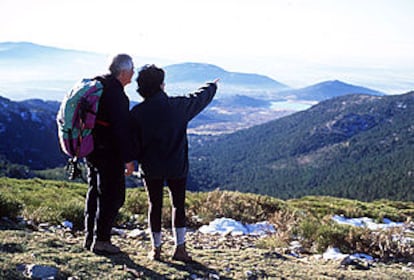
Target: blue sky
(298,42)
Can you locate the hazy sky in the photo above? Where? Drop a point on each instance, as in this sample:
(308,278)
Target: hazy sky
(294,42)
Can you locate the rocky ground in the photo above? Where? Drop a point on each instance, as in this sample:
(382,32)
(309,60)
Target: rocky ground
(216,257)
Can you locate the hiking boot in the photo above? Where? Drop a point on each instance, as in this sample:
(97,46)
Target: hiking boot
(155,254)
(181,254)
(105,247)
(87,244)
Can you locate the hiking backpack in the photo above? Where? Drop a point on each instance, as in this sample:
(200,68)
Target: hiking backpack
(77,116)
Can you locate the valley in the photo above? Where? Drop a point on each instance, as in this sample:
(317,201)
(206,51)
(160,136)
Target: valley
(258,135)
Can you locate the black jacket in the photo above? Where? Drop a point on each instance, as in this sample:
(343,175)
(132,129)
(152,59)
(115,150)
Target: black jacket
(111,133)
(159,129)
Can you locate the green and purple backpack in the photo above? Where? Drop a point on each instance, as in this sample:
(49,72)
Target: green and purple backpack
(76,118)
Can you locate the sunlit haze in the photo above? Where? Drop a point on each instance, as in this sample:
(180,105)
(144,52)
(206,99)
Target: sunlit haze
(297,42)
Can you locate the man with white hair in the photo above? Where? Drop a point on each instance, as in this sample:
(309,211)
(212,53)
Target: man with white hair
(106,164)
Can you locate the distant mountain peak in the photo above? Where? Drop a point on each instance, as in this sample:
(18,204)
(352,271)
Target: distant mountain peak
(192,71)
(329,89)
(10,44)
(24,47)
(333,83)
(231,83)
(197,66)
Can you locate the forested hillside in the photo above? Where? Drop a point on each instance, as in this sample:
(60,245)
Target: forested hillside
(28,133)
(354,146)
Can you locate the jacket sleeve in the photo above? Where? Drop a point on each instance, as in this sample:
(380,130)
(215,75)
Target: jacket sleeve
(198,100)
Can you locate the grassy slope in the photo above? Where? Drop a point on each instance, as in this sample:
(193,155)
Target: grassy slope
(229,258)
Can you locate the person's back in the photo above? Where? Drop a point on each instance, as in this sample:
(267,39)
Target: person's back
(162,138)
(111,131)
(159,129)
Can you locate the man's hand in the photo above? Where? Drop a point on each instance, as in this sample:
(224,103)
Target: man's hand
(129,168)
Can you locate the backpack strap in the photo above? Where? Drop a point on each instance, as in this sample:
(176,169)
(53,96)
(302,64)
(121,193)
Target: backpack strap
(103,82)
(72,149)
(103,123)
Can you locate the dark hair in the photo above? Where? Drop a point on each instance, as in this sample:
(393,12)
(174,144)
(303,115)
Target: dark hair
(149,80)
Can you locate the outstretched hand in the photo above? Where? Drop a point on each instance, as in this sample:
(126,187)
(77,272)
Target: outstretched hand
(216,81)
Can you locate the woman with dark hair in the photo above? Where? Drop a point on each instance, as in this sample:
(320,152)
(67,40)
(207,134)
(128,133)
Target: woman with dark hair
(159,128)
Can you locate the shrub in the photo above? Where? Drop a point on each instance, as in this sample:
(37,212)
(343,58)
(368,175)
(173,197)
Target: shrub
(136,205)
(56,212)
(73,211)
(307,231)
(321,206)
(389,244)
(203,207)
(332,235)
(9,206)
(247,208)
(41,214)
(136,201)
(285,221)
(317,235)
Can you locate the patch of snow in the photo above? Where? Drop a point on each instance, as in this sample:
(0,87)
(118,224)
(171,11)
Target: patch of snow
(370,224)
(335,254)
(366,222)
(135,233)
(260,228)
(226,226)
(67,224)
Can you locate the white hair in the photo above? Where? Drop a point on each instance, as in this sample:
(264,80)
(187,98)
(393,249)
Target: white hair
(120,62)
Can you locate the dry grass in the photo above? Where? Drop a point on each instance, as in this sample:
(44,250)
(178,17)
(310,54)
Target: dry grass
(307,220)
(247,208)
(64,252)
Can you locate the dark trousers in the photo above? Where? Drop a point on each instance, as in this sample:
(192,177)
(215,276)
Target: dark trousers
(154,189)
(106,195)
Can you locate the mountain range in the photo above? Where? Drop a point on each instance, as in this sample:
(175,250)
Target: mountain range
(348,141)
(30,71)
